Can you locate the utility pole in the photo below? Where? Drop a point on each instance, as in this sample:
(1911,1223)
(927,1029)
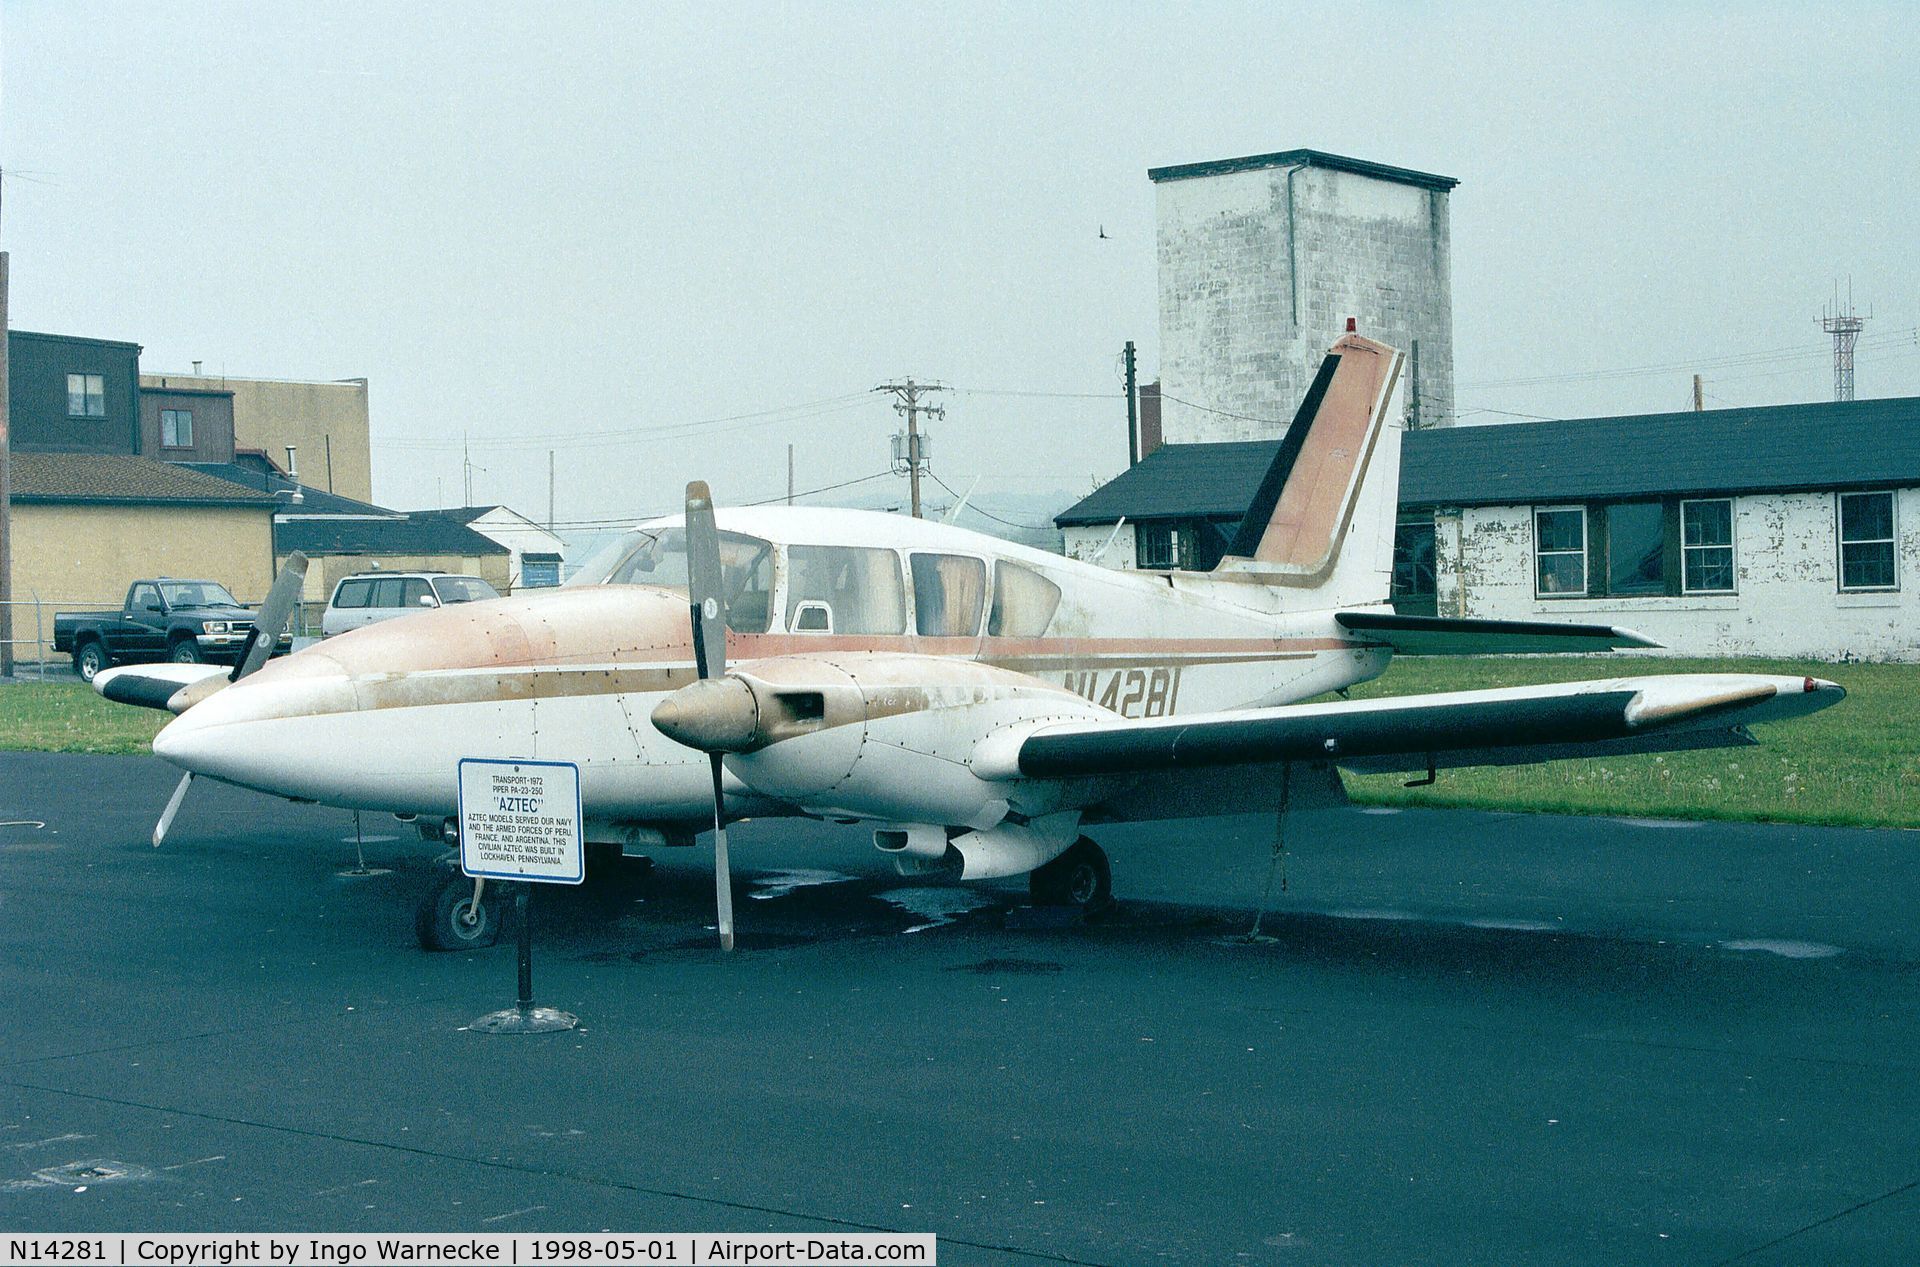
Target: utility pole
(466,473)
(549,490)
(1133,404)
(911,450)
(789,475)
(1699,395)
(6,489)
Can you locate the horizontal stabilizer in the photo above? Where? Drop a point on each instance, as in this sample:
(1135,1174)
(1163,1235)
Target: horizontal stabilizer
(1449,635)
(1532,723)
(153,685)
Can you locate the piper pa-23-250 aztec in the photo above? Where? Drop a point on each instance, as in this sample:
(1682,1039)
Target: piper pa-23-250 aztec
(982,704)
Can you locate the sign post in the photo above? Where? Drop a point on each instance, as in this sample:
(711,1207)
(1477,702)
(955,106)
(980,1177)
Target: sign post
(520,822)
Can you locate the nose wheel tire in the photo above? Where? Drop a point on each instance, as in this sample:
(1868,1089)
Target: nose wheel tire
(1080,877)
(448,919)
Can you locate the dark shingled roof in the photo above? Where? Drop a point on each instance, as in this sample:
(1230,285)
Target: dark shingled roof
(313,501)
(1179,481)
(459,514)
(431,535)
(1310,158)
(108,478)
(1769,449)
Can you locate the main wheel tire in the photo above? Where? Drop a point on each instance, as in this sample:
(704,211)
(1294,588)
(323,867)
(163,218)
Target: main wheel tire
(442,921)
(1079,877)
(90,659)
(185,651)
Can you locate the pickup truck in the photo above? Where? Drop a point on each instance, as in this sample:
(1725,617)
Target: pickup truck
(162,619)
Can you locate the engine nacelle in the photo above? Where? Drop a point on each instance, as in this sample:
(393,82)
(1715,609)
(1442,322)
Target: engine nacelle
(878,736)
(920,849)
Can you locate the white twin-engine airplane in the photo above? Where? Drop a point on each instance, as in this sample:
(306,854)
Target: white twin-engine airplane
(981,704)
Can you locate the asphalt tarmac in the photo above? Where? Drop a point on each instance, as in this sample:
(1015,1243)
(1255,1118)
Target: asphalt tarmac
(1471,1038)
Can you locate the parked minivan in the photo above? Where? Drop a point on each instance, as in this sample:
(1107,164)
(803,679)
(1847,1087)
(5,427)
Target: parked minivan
(370,597)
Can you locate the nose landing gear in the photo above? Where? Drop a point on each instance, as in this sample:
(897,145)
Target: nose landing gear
(459,914)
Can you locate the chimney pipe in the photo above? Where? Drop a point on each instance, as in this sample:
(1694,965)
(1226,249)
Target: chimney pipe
(293,472)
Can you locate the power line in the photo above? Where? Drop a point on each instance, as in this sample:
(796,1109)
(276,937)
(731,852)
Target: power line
(1228,413)
(987,513)
(626,521)
(665,431)
(1799,351)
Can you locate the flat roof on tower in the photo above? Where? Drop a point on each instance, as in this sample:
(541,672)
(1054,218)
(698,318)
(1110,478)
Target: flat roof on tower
(1309,158)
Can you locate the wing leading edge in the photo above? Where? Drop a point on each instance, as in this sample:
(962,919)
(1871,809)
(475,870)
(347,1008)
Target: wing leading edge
(1498,727)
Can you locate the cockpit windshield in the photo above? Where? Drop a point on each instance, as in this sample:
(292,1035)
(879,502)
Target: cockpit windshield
(658,556)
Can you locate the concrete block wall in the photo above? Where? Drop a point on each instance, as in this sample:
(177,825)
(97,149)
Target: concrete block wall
(1260,269)
(1787,602)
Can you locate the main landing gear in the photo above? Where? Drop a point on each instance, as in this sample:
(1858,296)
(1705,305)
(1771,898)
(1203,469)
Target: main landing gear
(459,913)
(1080,877)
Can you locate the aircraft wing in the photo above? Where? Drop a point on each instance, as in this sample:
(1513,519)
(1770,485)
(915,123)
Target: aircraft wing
(1449,635)
(1509,726)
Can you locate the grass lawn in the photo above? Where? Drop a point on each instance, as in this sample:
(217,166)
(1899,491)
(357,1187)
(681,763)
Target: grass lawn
(1855,765)
(70,717)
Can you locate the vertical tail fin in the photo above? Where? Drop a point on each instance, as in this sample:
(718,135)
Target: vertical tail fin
(1323,518)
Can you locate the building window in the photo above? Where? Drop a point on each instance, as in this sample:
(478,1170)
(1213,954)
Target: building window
(1706,546)
(176,428)
(1163,545)
(1636,548)
(86,396)
(1414,582)
(1560,551)
(1866,542)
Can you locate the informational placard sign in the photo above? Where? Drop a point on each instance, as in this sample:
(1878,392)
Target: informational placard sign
(520,820)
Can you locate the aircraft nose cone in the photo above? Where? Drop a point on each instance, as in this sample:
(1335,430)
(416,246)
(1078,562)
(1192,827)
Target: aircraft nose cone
(717,715)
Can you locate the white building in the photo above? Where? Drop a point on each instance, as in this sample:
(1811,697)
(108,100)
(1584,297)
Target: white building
(1787,531)
(534,551)
(1263,259)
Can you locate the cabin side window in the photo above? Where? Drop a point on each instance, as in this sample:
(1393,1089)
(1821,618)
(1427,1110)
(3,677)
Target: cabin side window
(1023,602)
(659,557)
(949,591)
(845,590)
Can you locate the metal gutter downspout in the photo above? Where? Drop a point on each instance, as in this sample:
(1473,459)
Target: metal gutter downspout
(1293,271)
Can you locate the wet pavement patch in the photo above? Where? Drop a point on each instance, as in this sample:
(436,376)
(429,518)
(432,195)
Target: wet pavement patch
(742,940)
(1782,948)
(1010,968)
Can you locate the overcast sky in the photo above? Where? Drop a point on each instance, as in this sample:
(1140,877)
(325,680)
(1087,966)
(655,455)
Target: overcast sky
(538,224)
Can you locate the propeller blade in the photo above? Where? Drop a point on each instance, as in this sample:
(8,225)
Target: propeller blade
(274,614)
(722,871)
(704,595)
(173,807)
(707,607)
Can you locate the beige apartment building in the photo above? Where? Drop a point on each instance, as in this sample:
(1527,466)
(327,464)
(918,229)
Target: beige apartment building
(325,422)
